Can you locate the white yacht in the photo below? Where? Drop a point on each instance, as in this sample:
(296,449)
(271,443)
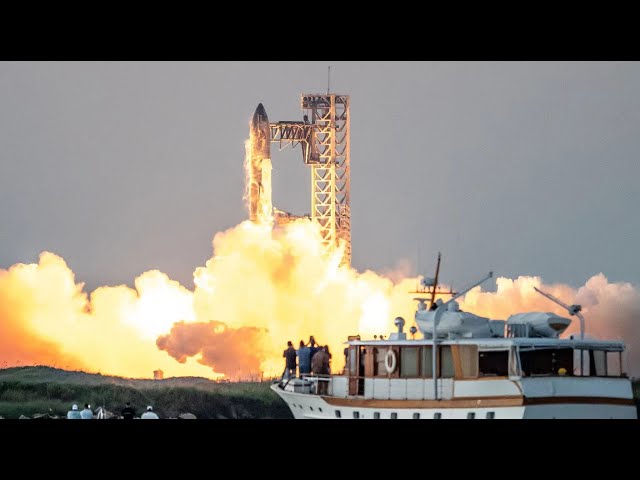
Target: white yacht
(470,367)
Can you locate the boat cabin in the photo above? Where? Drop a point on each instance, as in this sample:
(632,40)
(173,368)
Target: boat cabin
(489,359)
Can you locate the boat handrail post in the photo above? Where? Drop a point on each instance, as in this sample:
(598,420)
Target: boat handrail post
(436,318)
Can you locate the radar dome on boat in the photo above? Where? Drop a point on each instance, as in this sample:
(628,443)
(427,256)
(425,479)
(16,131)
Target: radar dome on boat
(537,324)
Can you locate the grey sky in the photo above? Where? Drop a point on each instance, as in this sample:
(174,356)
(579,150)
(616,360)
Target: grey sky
(524,168)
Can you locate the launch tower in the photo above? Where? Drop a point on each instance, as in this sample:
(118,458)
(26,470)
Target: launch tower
(324,139)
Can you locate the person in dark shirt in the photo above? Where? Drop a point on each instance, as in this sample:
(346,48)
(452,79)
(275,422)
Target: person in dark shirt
(128,412)
(312,346)
(290,366)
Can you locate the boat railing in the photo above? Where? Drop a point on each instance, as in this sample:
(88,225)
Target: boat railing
(320,382)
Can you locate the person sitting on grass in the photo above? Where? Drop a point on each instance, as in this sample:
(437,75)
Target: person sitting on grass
(150,414)
(74,414)
(87,413)
(128,412)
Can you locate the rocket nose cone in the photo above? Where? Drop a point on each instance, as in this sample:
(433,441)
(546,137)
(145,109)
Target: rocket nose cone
(260,116)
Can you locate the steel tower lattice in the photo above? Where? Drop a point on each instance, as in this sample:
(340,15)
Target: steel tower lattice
(324,138)
(330,164)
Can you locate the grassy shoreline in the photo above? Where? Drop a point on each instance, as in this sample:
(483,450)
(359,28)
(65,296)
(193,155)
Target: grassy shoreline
(46,390)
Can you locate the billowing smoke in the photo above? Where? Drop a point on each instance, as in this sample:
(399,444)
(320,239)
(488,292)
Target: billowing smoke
(278,280)
(263,287)
(259,280)
(23,290)
(46,318)
(221,348)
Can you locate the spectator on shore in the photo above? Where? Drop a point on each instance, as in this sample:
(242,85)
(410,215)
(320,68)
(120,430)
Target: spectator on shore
(304,359)
(290,366)
(150,414)
(74,414)
(128,412)
(87,413)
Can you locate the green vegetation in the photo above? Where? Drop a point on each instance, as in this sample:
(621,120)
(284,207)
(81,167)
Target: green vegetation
(31,390)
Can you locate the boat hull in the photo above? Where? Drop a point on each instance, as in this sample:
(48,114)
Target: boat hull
(311,406)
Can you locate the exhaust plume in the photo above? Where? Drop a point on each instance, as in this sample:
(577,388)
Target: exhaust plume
(221,348)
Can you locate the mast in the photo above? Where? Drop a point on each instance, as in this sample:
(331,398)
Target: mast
(435,281)
(430,287)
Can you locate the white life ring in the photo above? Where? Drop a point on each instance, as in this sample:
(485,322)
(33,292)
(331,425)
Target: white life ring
(390,361)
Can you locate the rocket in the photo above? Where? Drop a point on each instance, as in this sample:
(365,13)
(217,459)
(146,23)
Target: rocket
(259,169)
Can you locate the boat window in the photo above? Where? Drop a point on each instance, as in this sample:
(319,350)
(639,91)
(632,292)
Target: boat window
(426,366)
(416,416)
(447,369)
(581,365)
(394,416)
(491,415)
(437,416)
(547,362)
(514,362)
(356,415)
(409,361)
(379,370)
(599,362)
(471,415)
(494,364)
(376,415)
(338,414)
(613,364)
(468,360)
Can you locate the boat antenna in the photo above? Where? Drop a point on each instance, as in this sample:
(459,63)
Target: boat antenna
(430,286)
(572,309)
(435,280)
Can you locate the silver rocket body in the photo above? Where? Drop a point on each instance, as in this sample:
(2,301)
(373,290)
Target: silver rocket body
(260,150)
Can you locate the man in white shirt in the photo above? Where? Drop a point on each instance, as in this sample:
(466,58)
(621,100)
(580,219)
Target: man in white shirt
(150,414)
(74,414)
(87,413)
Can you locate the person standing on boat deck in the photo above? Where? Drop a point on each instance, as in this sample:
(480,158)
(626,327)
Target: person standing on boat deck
(320,362)
(312,346)
(290,355)
(74,414)
(86,414)
(346,358)
(320,366)
(304,359)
